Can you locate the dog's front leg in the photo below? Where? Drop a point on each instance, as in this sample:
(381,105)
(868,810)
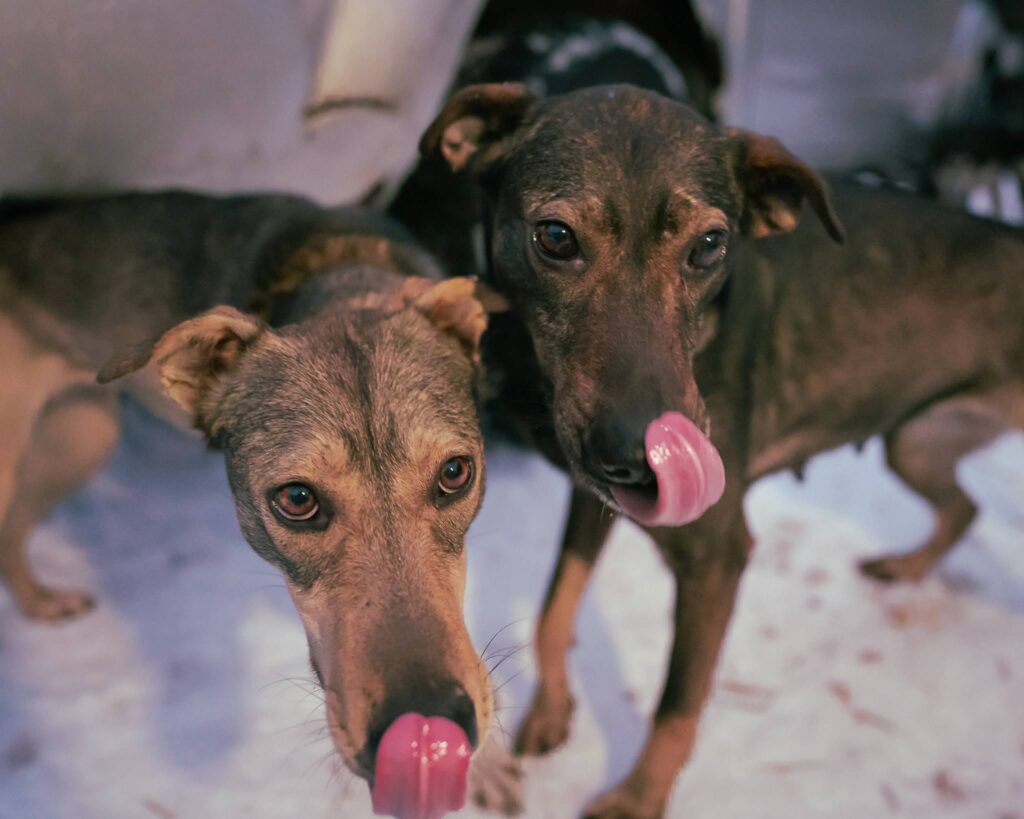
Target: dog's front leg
(546,725)
(707,561)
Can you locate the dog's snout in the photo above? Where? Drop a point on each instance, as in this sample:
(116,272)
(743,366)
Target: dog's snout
(616,447)
(445,698)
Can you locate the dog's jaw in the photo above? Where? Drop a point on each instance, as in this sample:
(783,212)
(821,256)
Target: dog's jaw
(343,744)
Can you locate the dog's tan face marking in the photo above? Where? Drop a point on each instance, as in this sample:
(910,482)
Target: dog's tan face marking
(356,462)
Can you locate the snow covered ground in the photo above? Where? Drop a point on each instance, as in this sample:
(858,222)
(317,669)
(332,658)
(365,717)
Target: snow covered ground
(187,694)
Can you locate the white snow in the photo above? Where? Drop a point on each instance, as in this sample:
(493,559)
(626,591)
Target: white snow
(187,692)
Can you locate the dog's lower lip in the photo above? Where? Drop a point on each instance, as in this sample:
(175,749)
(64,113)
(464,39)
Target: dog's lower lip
(361,770)
(627,499)
(648,489)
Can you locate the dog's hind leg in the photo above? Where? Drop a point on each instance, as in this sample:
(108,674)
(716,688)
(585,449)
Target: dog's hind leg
(924,453)
(70,440)
(546,725)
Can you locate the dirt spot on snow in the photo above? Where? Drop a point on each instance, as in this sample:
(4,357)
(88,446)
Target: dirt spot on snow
(841,691)
(746,696)
(816,577)
(792,765)
(947,787)
(157,809)
(890,797)
(862,716)
(907,615)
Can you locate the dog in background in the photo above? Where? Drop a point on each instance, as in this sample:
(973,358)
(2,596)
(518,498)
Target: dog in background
(597,36)
(552,49)
(323,353)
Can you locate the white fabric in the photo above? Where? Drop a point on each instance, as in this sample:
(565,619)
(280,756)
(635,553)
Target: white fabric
(127,93)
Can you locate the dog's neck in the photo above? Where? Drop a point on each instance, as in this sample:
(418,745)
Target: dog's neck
(341,271)
(344,288)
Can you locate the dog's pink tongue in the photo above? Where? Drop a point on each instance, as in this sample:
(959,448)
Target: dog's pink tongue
(689,472)
(421,768)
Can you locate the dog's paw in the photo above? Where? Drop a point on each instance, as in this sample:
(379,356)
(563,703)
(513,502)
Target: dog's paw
(546,726)
(54,605)
(625,802)
(909,567)
(496,780)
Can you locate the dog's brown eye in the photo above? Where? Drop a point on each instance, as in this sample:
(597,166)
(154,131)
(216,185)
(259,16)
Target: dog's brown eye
(709,250)
(455,475)
(556,240)
(296,501)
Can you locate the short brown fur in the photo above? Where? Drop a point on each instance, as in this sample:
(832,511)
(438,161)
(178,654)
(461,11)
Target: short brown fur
(784,347)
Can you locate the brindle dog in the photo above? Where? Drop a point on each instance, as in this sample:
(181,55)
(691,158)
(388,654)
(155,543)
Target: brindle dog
(622,229)
(346,412)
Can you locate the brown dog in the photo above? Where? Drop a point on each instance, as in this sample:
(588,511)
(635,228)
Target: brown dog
(621,230)
(349,430)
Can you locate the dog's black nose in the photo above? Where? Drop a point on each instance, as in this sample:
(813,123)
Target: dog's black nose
(616,449)
(443,698)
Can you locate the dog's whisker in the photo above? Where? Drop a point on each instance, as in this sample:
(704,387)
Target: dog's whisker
(270,587)
(344,778)
(330,757)
(510,654)
(505,735)
(306,686)
(503,651)
(513,649)
(304,725)
(501,661)
(316,739)
(506,682)
(483,651)
(316,710)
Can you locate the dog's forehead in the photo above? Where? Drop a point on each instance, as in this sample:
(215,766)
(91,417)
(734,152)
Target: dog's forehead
(361,388)
(417,374)
(614,138)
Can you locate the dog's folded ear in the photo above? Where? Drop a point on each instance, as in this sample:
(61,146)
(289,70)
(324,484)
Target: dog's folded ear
(475,126)
(192,358)
(459,306)
(775,183)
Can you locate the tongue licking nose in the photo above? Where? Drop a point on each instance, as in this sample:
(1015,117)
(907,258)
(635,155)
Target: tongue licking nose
(689,473)
(421,767)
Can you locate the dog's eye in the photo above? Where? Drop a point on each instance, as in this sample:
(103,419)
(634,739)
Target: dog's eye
(556,240)
(709,250)
(296,501)
(455,475)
